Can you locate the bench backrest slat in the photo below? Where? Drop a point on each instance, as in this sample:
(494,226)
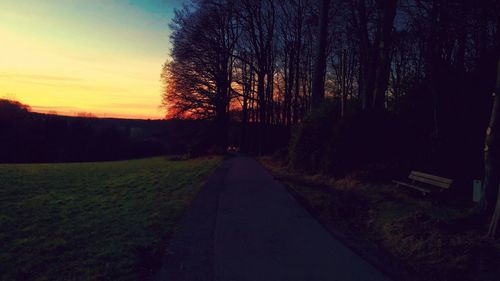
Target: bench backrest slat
(433,177)
(430,179)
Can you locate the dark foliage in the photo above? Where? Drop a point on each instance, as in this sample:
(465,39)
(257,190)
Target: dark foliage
(32,137)
(364,139)
(308,142)
(324,142)
(388,144)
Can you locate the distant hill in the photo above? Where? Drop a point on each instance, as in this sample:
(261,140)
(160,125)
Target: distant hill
(35,137)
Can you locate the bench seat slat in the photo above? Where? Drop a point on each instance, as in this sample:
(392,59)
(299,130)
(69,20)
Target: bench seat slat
(422,189)
(432,177)
(429,181)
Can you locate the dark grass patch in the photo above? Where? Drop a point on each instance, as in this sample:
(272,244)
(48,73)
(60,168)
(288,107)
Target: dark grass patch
(92,221)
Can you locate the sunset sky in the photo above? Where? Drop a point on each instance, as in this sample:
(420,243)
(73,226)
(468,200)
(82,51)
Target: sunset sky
(98,56)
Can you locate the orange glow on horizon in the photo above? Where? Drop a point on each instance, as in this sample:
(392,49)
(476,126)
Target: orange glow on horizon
(76,113)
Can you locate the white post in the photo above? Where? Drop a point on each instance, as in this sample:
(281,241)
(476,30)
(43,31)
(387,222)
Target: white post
(477,190)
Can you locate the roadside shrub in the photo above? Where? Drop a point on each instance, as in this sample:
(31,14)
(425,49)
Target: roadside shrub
(281,156)
(307,144)
(368,140)
(191,138)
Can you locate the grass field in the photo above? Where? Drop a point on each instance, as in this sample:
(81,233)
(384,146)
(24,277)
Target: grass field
(91,221)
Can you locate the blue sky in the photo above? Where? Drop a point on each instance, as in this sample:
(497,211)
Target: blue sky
(70,56)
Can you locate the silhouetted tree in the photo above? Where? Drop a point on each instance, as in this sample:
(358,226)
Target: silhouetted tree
(491,197)
(318,82)
(374,24)
(199,76)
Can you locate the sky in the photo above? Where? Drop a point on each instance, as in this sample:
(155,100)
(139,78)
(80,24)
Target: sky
(97,56)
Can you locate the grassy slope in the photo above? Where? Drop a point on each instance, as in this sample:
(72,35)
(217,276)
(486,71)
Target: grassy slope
(89,221)
(419,233)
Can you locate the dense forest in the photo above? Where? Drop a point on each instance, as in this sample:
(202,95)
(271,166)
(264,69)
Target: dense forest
(396,85)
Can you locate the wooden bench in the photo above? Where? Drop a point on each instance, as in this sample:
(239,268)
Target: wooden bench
(424,182)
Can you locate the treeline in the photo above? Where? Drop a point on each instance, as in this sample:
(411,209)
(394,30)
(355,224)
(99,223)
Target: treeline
(267,62)
(27,137)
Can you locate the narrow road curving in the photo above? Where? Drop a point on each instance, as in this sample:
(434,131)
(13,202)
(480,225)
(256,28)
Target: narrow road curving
(244,225)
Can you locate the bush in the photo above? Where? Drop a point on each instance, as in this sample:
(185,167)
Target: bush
(308,141)
(324,143)
(281,156)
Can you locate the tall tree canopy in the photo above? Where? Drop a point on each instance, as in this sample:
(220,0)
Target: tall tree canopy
(263,62)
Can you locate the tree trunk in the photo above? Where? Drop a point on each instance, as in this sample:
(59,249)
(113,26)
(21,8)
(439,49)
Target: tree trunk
(491,161)
(221,116)
(318,83)
(384,53)
(343,79)
(367,65)
(261,92)
(288,90)
(244,110)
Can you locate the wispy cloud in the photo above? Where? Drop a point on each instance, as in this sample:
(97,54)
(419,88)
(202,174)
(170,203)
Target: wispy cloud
(41,108)
(61,82)
(126,105)
(38,77)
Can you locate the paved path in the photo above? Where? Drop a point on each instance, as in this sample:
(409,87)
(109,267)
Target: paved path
(244,225)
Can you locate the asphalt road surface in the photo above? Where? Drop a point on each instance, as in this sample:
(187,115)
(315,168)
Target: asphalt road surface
(244,225)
